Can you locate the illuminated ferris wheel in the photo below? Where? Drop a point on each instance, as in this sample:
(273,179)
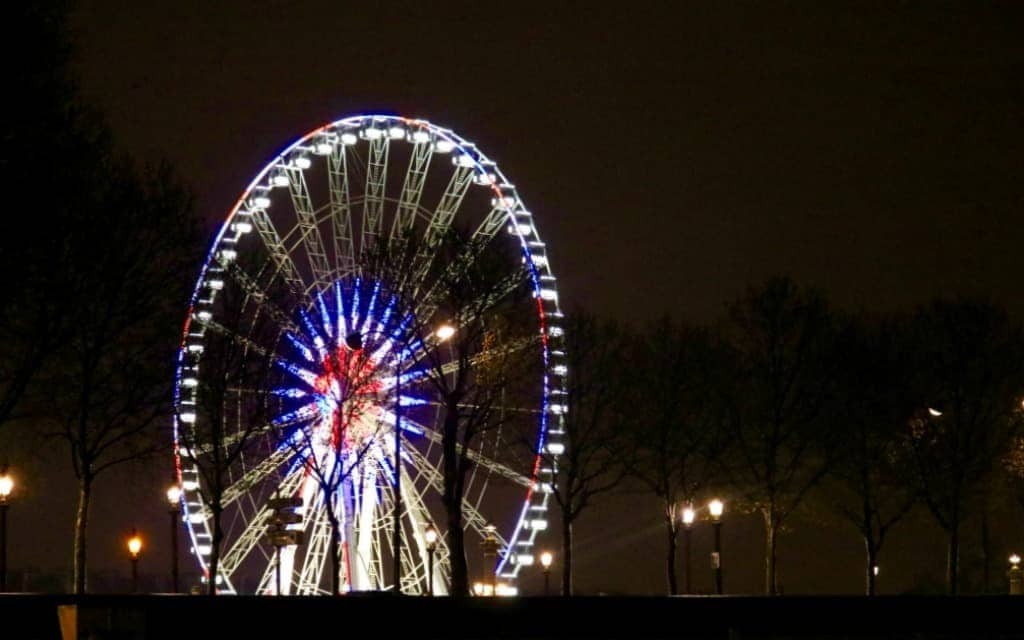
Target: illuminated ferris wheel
(284,283)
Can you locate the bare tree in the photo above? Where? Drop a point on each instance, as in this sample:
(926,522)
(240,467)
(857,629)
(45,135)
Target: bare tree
(673,420)
(470,286)
(782,339)
(129,250)
(968,357)
(866,484)
(229,418)
(591,464)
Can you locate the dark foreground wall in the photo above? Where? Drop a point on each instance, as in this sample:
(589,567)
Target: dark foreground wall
(411,618)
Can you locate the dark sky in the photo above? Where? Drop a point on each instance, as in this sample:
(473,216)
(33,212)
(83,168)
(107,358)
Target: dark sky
(672,153)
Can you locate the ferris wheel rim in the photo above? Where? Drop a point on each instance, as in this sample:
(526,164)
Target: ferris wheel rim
(539,270)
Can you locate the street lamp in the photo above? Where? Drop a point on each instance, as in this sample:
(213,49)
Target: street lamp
(689,515)
(444,332)
(431,538)
(174,504)
(545,561)
(6,486)
(134,547)
(1015,576)
(716,507)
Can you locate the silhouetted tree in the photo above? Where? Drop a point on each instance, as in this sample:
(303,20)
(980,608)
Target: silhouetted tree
(969,369)
(229,419)
(481,368)
(869,414)
(131,258)
(673,419)
(782,339)
(591,463)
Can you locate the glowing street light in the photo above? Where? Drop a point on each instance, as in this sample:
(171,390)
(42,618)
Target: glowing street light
(431,537)
(689,515)
(716,507)
(6,487)
(1015,576)
(444,332)
(134,547)
(545,561)
(174,504)
(935,413)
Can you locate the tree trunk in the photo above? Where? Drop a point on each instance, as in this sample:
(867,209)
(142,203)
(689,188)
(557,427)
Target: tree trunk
(953,560)
(81,526)
(670,556)
(457,550)
(335,548)
(771,533)
(872,559)
(218,536)
(566,555)
(986,550)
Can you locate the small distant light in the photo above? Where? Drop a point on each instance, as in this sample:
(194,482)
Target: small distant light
(204,316)
(195,348)
(875,570)
(349,138)
(555,332)
(465,160)
(546,558)
(1015,559)
(189,382)
(228,255)
(216,285)
(173,495)
(134,544)
(323,148)
(281,180)
(539,525)
(525,559)
(188,418)
(560,369)
(444,146)
(373,133)
(547,294)
(261,202)
(539,260)
(556,448)
(302,162)
(242,227)
(396,133)
(420,136)
(934,412)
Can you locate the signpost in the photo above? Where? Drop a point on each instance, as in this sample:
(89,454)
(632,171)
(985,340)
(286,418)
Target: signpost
(278,532)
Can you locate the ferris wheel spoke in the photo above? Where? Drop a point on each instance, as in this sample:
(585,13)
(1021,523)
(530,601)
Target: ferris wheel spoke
(306,217)
(475,457)
(317,549)
(341,211)
(439,224)
(285,266)
(260,297)
(256,528)
(470,514)
(257,474)
(376,176)
(412,188)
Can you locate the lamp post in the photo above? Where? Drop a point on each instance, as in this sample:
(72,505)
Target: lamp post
(689,515)
(134,547)
(490,546)
(174,504)
(1015,576)
(545,561)
(6,486)
(431,538)
(716,507)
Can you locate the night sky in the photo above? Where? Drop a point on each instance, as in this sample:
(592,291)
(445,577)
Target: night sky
(672,154)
